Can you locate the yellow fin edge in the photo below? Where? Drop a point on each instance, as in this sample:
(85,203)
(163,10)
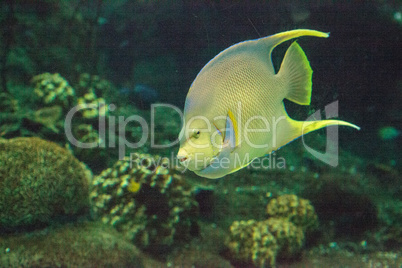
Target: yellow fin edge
(309,126)
(235,126)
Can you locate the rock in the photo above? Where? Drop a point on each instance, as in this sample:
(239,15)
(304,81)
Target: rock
(79,245)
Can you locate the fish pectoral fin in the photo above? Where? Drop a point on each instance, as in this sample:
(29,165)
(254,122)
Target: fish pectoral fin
(231,132)
(297,75)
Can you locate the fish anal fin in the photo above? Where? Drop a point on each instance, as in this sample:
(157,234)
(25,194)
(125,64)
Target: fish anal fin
(297,74)
(309,126)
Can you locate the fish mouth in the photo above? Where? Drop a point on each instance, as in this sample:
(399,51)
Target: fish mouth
(183,156)
(183,159)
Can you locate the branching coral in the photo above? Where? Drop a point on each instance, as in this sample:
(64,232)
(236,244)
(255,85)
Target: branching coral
(145,200)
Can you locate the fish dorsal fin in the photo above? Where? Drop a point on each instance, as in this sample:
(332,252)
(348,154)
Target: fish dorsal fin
(259,48)
(273,40)
(296,74)
(270,42)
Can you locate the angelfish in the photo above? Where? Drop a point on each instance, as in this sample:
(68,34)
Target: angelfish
(234,110)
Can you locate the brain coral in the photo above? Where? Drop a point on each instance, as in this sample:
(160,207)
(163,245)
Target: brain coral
(39,181)
(146,201)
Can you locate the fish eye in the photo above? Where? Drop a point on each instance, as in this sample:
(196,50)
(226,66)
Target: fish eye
(196,133)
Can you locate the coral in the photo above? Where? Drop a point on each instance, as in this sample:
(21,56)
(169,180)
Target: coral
(10,119)
(251,240)
(50,117)
(289,236)
(92,83)
(39,181)
(91,107)
(52,89)
(95,157)
(294,209)
(8,103)
(280,236)
(263,241)
(146,200)
(86,133)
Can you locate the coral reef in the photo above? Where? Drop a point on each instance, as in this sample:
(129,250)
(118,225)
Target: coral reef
(146,200)
(53,89)
(54,98)
(39,181)
(281,236)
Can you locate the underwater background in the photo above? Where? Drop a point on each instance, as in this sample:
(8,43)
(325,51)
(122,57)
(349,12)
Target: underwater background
(77,68)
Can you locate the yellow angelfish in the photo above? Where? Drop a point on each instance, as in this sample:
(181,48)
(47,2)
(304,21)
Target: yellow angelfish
(234,110)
